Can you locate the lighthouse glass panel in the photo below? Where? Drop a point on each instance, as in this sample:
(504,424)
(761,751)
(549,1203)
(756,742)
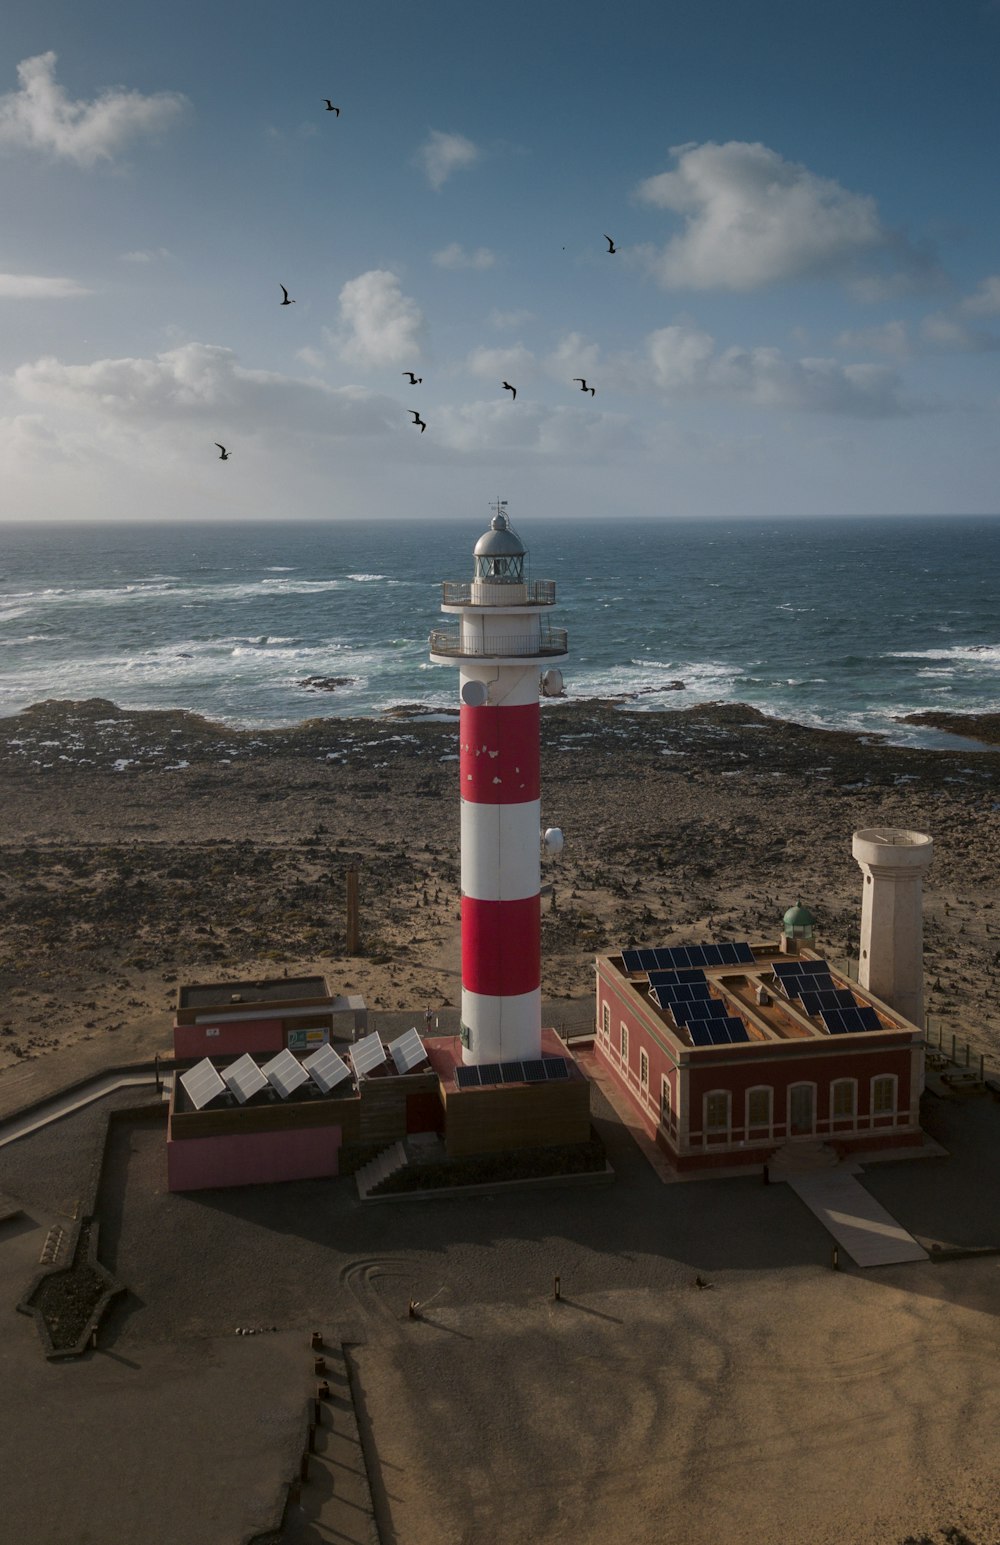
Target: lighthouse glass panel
(501,568)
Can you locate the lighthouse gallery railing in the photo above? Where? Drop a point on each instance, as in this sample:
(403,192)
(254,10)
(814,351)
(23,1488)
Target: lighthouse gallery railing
(550,641)
(540,592)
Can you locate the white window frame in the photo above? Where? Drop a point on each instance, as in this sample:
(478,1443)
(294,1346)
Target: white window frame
(760,1129)
(666,1099)
(623,1043)
(802,1083)
(879,1078)
(727,1128)
(606,1020)
(643,1068)
(852,1114)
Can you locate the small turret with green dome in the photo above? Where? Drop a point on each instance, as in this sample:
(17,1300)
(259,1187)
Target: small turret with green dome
(798,923)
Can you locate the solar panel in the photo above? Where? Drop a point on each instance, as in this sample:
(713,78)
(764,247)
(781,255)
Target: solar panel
(534,1071)
(408,1051)
(285,1073)
(368,1054)
(834,1021)
(702,1008)
(489,1072)
(467,1078)
(202,1084)
(737,1029)
(713,954)
(869,1018)
(719,1031)
(326,1068)
(630,960)
(647,960)
(555,1067)
(783,969)
(512,1072)
(729,954)
(244,1078)
(700,1032)
(814,968)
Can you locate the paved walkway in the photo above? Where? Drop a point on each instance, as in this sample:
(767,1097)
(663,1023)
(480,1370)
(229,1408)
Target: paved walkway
(869,1234)
(75,1099)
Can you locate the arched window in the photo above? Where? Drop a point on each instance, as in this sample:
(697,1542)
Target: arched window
(759,1108)
(643,1069)
(884,1095)
(665,1110)
(624,1030)
(844,1099)
(605,1021)
(717,1111)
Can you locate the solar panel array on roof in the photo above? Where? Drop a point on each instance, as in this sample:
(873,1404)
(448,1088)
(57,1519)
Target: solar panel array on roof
(326,1068)
(817,981)
(701,1008)
(814,1002)
(535,1071)
(684,955)
(848,1021)
(680,992)
(285,1073)
(408,1051)
(202,1084)
(676,978)
(718,1032)
(244,1078)
(368,1054)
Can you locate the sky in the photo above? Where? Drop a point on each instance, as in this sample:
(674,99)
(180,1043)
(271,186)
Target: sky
(801,316)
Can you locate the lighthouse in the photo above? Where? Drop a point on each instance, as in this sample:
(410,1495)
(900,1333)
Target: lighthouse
(505,650)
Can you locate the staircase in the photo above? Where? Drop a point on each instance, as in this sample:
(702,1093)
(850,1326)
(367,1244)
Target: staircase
(370,1176)
(801,1156)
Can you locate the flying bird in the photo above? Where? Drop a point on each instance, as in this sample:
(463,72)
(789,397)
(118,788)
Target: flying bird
(286,301)
(414,380)
(584,387)
(611,245)
(330,107)
(512,389)
(224,456)
(417,419)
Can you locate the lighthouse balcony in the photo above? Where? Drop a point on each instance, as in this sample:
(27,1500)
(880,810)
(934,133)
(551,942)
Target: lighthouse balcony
(539,592)
(546,644)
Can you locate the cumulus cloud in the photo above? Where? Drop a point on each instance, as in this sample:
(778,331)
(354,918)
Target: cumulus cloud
(487,363)
(682,361)
(572,356)
(985,302)
(892,338)
(442,154)
(204,383)
(752,218)
(951,335)
(40,116)
(145,255)
(455,256)
(379,324)
(37,287)
(543,432)
(502,320)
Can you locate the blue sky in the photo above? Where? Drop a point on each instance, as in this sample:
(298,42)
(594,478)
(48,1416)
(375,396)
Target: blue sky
(802,318)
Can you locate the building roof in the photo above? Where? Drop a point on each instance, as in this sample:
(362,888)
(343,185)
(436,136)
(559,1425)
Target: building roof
(500,541)
(281,989)
(798,917)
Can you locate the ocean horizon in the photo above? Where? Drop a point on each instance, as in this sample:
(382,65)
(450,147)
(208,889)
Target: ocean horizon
(843,623)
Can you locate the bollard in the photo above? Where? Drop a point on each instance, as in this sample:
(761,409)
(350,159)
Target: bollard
(414,1306)
(836,1258)
(323,1391)
(317,1340)
(557,1288)
(319,1365)
(304,1467)
(767,1176)
(317,1418)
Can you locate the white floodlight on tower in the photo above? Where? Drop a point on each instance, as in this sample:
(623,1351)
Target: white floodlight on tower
(501,646)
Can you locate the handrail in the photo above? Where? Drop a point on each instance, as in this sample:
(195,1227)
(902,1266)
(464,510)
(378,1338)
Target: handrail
(539,592)
(549,641)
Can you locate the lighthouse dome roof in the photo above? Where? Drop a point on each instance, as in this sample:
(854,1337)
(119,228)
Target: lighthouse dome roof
(500,541)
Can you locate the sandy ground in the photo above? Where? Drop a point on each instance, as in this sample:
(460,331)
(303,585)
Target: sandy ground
(142,849)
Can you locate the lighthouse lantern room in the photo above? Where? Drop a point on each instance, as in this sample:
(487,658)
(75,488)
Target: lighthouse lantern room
(502,645)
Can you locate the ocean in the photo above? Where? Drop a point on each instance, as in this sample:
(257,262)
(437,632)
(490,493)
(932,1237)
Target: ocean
(838,623)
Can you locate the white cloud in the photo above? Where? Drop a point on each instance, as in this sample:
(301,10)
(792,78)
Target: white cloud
(203,383)
(752,218)
(501,320)
(683,362)
(36,287)
(455,256)
(547,433)
(145,255)
(442,154)
(311,357)
(985,302)
(892,338)
(501,363)
(572,356)
(40,116)
(380,325)
(950,335)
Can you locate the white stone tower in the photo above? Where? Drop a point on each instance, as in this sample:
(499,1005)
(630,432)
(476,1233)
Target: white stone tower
(892,933)
(500,648)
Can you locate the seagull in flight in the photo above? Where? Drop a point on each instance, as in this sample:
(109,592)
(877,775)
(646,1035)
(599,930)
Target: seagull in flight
(417,419)
(330,107)
(286,301)
(414,380)
(512,389)
(611,245)
(224,453)
(584,387)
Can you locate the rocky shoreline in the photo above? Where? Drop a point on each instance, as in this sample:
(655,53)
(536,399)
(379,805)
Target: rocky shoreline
(139,848)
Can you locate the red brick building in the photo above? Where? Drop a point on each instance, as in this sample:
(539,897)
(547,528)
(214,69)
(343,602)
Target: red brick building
(727,1060)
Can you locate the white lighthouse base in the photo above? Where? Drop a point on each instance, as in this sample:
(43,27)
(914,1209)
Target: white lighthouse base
(502,1029)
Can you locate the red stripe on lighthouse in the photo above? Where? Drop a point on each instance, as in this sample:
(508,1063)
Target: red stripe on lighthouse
(501,946)
(499,760)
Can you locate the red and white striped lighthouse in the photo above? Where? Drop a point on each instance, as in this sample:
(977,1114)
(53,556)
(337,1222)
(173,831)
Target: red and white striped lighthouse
(501,648)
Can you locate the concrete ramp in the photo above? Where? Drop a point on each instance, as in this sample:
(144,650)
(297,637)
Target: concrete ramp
(856,1220)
